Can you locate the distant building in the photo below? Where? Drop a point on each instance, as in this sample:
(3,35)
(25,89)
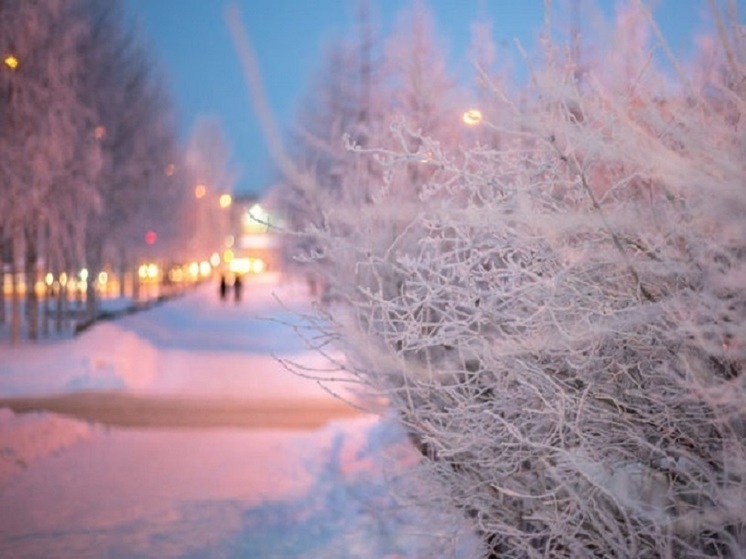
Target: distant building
(255,237)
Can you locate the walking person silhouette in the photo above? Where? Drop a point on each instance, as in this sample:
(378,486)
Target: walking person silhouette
(237,286)
(223,288)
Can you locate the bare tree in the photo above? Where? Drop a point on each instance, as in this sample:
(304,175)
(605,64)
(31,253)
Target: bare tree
(86,150)
(143,181)
(425,95)
(43,112)
(346,106)
(394,93)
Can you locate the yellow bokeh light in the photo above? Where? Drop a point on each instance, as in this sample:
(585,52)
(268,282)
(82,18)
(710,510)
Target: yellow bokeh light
(11,61)
(176,275)
(240,266)
(225,200)
(228,255)
(199,191)
(215,260)
(148,271)
(472,117)
(243,266)
(49,278)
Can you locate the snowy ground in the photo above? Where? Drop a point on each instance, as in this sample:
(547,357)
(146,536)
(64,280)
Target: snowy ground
(70,488)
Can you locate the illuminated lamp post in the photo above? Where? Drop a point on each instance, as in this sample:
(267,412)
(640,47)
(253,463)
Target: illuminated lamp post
(472,117)
(10,61)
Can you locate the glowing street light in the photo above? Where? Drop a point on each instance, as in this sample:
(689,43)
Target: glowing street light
(257,212)
(225,200)
(10,61)
(472,117)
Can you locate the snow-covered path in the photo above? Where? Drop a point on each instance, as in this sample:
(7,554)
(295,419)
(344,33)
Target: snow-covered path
(224,493)
(78,489)
(195,345)
(192,362)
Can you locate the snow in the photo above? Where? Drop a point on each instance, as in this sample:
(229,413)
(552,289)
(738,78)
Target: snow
(25,439)
(69,488)
(197,345)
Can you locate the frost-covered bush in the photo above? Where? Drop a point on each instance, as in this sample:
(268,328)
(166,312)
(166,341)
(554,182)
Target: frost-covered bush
(561,323)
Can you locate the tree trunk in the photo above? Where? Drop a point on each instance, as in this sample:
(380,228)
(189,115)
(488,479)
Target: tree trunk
(122,277)
(15,301)
(51,266)
(49,290)
(91,299)
(3,259)
(78,299)
(45,310)
(135,286)
(59,307)
(94,261)
(31,272)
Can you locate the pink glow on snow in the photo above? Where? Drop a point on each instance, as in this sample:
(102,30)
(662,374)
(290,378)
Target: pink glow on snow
(73,489)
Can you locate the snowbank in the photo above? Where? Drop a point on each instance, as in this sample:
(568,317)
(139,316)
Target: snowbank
(26,439)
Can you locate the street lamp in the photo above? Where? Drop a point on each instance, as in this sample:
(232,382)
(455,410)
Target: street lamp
(10,61)
(472,117)
(225,200)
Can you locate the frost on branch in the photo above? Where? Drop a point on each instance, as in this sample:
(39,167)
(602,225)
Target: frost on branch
(560,323)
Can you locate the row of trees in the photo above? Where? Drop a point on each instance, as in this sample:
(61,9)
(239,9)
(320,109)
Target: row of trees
(90,160)
(552,303)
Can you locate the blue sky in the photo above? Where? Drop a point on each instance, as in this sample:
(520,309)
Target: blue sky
(190,39)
